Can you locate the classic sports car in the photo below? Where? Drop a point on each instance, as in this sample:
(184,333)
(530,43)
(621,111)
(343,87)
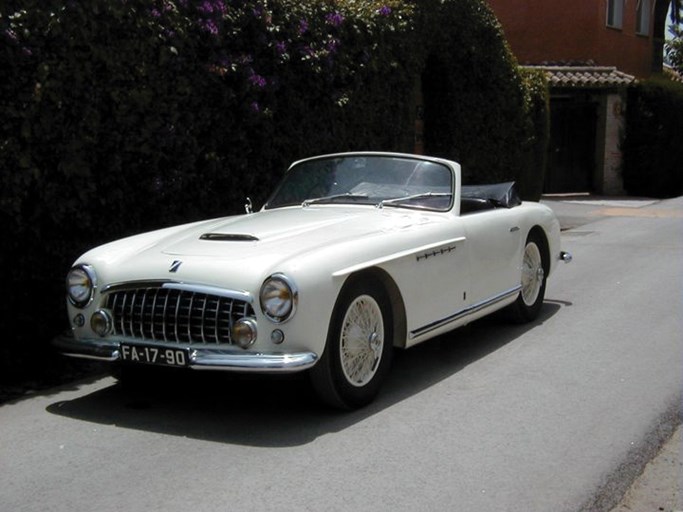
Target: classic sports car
(354,254)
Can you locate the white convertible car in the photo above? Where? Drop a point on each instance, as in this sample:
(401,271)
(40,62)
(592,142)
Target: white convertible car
(354,255)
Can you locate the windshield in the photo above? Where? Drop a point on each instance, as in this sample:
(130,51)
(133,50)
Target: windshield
(380,180)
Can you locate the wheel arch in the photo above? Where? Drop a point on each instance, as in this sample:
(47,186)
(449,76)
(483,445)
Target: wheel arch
(539,232)
(384,280)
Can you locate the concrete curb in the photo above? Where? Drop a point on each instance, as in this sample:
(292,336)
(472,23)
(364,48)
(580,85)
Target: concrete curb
(658,488)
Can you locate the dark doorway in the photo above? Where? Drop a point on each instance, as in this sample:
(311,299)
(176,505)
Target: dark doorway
(571,158)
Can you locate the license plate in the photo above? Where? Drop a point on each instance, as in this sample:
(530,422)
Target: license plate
(154,355)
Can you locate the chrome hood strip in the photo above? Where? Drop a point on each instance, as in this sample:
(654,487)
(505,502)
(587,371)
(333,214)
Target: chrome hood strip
(211,290)
(181,286)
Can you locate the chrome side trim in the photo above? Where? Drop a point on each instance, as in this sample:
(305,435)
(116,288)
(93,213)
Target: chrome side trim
(222,359)
(470,310)
(440,247)
(436,252)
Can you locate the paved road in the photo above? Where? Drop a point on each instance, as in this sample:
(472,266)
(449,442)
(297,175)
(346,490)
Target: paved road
(560,415)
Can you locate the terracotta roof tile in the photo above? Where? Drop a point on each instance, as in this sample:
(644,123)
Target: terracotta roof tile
(672,74)
(585,77)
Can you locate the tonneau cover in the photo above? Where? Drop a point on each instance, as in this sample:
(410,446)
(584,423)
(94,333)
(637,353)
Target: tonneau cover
(499,194)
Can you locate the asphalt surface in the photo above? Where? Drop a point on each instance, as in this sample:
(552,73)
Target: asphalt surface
(660,485)
(560,415)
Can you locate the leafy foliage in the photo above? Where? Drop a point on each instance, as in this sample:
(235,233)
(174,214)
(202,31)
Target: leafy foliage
(674,46)
(118,116)
(652,148)
(480,108)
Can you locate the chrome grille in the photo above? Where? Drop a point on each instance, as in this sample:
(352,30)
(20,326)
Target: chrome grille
(173,315)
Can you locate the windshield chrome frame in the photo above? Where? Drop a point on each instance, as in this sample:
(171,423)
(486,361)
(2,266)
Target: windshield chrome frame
(373,201)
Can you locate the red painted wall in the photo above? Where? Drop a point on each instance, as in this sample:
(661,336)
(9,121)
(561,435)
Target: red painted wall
(543,31)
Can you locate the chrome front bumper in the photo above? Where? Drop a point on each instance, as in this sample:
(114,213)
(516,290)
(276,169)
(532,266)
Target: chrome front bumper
(201,358)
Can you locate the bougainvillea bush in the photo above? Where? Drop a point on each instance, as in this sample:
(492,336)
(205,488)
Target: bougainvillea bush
(118,116)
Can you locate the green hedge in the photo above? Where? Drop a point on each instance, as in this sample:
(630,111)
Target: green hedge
(653,153)
(118,116)
(480,108)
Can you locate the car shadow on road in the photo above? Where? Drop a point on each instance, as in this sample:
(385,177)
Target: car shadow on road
(283,411)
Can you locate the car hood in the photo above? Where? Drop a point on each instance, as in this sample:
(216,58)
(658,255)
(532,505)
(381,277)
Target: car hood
(303,227)
(246,247)
(288,232)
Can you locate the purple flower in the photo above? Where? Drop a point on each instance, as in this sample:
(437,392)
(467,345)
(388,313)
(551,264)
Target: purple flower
(257,80)
(333,45)
(385,10)
(206,7)
(220,7)
(307,51)
(210,26)
(11,35)
(255,106)
(155,13)
(303,26)
(281,47)
(334,18)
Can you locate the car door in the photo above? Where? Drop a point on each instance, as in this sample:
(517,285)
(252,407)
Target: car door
(494,244)
(434,280)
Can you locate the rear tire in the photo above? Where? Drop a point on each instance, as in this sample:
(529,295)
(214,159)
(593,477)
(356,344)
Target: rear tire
(359,348)
(534,271)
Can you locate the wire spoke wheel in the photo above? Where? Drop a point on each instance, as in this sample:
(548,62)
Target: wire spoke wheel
(361,340)
(359,346)
(534,269)
(532,274)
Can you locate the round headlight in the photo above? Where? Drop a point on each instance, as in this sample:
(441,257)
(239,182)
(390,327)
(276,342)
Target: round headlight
(278,298)
(80,285)
(101,322)
(244,332)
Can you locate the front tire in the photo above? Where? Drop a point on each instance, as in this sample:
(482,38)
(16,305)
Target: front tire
(359,348)
(534,271)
